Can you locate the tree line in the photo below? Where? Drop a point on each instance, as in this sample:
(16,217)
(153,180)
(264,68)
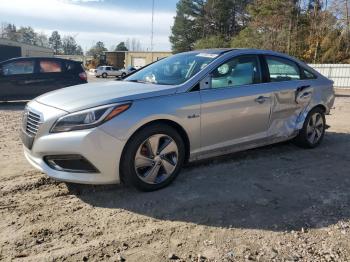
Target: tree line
(27,35)
(65,45)
(316,31)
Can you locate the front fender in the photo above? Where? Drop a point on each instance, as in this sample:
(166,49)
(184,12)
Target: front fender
(176,108)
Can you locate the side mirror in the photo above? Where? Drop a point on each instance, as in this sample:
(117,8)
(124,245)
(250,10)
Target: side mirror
(205,83)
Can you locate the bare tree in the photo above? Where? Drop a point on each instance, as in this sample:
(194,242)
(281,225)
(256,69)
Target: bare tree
(133,44)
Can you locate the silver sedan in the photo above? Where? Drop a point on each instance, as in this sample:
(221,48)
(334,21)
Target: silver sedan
(190,106)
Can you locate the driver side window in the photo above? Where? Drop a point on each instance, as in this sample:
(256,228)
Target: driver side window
(19,67)
(242,70)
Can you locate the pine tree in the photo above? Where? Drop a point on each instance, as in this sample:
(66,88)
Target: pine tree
(186,29)
(55,42)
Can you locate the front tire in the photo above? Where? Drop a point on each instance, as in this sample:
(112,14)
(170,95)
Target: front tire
(104,75)
(153,157)
(312,133)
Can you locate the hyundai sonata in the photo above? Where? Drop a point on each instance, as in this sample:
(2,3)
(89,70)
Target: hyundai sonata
(183,108)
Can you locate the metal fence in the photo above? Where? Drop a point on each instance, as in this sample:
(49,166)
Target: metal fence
(339,73)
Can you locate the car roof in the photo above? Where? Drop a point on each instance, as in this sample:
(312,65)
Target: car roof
(39,57)
(214,51)
(221,51)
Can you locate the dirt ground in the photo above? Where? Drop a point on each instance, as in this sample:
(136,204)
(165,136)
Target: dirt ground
(277,203)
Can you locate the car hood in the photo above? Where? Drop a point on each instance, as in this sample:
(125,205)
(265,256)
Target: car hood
(84,96)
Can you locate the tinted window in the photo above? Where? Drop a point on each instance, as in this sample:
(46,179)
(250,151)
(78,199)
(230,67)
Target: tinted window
(282,69)
(308,74)
(108,68)
(72,66)
(50,66)
(18,67)
(239,71)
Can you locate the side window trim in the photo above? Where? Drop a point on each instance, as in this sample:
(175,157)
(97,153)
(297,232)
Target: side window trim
(256,56)
(265,73)
(303,76)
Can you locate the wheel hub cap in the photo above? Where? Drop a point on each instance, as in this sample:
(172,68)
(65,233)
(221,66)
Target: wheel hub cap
(156,159)
(315,128)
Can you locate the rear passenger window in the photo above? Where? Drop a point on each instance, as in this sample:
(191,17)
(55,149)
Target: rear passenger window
(18,67)
(308,74)
(71,66)
(282,69)
(50,66)
(243,70)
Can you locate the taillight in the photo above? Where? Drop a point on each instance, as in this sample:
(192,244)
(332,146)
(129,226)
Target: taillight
(83,76)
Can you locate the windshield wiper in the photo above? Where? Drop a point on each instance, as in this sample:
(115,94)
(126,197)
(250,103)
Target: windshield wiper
(138,81)
(145,82)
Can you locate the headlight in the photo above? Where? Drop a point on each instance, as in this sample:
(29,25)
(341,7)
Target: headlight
(88,118)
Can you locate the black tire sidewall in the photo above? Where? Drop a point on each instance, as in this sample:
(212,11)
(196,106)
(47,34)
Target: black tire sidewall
(128,172)
(104,75)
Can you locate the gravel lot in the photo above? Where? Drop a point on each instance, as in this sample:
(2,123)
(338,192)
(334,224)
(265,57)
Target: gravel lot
(277,203)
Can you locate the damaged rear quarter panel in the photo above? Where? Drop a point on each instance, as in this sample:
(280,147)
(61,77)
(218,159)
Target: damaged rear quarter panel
(290,105)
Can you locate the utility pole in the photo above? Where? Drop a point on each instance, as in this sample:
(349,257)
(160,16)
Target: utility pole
(152,30)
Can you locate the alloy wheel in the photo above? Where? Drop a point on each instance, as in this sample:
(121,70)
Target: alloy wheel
(156,159)
(315,128)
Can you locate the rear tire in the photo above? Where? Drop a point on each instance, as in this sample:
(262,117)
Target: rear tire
(139,160)
(312,133)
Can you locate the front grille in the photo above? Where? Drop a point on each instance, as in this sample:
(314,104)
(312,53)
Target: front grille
(32,123)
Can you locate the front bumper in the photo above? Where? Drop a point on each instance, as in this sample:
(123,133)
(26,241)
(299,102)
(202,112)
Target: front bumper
(102,150)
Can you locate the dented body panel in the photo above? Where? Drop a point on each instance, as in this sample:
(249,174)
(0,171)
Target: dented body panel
(213,121)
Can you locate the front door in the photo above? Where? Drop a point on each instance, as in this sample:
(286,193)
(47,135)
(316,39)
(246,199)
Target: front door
(236,107)
(16,79)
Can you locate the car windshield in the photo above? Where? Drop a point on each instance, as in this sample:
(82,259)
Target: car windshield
(173,70)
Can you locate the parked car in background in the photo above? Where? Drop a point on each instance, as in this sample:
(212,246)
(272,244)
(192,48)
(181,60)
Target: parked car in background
(26,78)
(106,71)
(92,71)
(127,70)
(186,107)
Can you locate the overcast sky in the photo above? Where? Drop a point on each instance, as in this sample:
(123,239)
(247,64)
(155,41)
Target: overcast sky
(110,21)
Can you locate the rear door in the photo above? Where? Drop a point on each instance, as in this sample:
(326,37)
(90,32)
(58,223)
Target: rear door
(74,73)
(17,79)
(51,75)
(287,81)
(236,108)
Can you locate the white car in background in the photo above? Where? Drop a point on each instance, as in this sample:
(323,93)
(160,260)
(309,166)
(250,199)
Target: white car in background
(106,71)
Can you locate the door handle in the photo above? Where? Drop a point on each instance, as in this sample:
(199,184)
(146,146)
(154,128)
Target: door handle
(34,81)
(261,99)
(301,88)
(306,95)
